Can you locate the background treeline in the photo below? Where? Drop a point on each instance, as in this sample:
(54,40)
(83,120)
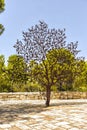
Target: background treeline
(60,68)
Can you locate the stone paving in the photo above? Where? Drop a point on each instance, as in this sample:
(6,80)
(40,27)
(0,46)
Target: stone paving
(33,115)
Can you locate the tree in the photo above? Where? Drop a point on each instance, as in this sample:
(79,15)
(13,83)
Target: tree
(3,83)
(2,4)
(16,70)
(38,41)
(62,63)
(85,73)
(2,61)
(80,83)
(58,69)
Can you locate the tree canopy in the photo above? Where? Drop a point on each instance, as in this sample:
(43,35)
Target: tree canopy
(17,70)
(39,39)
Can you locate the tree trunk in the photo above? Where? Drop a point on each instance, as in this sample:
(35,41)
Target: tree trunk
(48,92)
(60,87)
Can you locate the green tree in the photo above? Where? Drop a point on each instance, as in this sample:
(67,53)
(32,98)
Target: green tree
(2,62)
(17,71)
(63,66)
(2,5)
(80,83)
(58,69)
(3,76)
(85,73)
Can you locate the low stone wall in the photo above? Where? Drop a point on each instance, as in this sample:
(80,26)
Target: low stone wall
(69,95)
(37,95)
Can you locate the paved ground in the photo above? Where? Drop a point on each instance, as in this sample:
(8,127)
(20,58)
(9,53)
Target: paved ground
(33,115)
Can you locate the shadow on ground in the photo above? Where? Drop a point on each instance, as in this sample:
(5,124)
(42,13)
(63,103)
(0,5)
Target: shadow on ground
(14,112)
(10,113)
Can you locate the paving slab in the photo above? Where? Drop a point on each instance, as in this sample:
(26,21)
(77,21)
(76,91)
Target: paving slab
(33,115)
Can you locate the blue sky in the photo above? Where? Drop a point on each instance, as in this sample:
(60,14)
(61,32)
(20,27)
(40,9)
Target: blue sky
(19,15)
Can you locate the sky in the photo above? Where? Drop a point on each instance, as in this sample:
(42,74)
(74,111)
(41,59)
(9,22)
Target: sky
(19,15)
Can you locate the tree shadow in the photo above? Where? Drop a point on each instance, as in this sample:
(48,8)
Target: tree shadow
(14,112)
